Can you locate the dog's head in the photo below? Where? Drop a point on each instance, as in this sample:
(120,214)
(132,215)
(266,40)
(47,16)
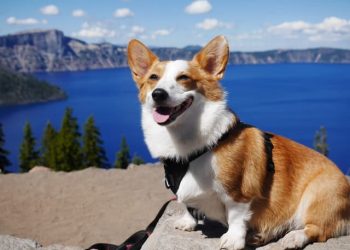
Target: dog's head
(168,89)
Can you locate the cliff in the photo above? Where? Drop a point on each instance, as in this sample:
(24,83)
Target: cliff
(18,88)
(51,50)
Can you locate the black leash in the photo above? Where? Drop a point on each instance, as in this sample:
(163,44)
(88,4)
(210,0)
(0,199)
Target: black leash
(175,170)
(135,241)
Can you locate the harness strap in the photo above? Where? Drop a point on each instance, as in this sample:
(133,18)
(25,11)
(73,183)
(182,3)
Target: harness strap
(135,241)
(176,169)
(174,172)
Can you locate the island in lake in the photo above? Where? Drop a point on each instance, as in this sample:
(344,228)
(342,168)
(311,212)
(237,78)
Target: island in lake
(18,88)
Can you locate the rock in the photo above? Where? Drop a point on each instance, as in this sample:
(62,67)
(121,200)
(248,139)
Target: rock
(207,236)
(8,242)
(37,169)
(165,237)
(59,247)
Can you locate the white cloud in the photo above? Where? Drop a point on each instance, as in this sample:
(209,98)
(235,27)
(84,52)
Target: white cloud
(26,21)
(123,12)
(161,32)
(50,10)
(212,23)
(288,27)
(255,35)
(330,29)
(137,29)
(78,13)
(198,7)
(334,24)
(94,31)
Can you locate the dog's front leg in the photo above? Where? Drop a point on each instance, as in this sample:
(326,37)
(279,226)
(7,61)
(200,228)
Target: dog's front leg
(237,215)
(187,222)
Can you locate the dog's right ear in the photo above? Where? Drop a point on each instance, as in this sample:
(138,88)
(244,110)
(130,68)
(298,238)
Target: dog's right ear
(140,59)
(213,57)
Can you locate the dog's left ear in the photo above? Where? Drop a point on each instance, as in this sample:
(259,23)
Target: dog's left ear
(140,59)
(214,56)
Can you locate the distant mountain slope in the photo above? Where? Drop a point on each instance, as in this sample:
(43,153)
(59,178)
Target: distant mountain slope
(51,50)
(17,88)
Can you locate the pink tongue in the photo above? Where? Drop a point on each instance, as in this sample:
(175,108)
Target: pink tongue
(160,118)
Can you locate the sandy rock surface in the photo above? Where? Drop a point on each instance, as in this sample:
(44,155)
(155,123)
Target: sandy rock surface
(80,208)
(207,236)
(71,211)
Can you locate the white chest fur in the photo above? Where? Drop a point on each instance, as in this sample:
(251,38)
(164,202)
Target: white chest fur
(201,125)
(199,188)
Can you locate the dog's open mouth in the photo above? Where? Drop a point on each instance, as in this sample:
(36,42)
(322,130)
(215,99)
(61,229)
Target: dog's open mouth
(164,115)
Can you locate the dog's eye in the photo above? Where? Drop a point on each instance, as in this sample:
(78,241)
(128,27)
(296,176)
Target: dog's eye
(182,78)
(154,77)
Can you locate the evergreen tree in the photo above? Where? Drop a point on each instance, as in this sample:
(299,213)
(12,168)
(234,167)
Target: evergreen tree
(123,156)
(320,141)
(68,144)
(137,160)
(28,157)
(92,149)
(48,148)
(4,161)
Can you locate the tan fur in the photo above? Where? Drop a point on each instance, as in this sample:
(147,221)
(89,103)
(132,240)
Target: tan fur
(213,57)
(241,161)
(204,83)
(203,72)
(301,175)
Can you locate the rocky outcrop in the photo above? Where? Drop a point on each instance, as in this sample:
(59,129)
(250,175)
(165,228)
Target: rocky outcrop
(51,50)
(318,55)
(207,236)
(8,242)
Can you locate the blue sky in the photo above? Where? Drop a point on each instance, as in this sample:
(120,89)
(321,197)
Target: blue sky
(250,25)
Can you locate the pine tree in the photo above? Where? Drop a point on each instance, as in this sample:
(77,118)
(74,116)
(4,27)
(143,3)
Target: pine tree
(48,147)
(320,141)
(4,161)
(137,160)
(28,157)
(92,149)
(68,144)
(123,156)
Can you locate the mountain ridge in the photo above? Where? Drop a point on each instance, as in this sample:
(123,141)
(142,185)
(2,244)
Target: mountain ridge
(51,50)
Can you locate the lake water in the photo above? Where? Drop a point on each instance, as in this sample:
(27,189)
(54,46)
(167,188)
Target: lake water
(292,100)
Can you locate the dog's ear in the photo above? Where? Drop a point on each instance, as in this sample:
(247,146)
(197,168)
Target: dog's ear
(214,56)
(140,59)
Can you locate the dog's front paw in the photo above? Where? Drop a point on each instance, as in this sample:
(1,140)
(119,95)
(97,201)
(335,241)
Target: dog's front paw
(231,241)
(185,223)
(294,239)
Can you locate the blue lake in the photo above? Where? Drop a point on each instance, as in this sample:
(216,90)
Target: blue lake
(292,100)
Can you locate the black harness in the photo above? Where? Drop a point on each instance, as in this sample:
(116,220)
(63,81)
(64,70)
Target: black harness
(176,169)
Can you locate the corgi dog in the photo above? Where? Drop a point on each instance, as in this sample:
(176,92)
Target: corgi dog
(262,186)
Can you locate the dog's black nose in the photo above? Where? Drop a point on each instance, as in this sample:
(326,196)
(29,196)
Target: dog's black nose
(159,95)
